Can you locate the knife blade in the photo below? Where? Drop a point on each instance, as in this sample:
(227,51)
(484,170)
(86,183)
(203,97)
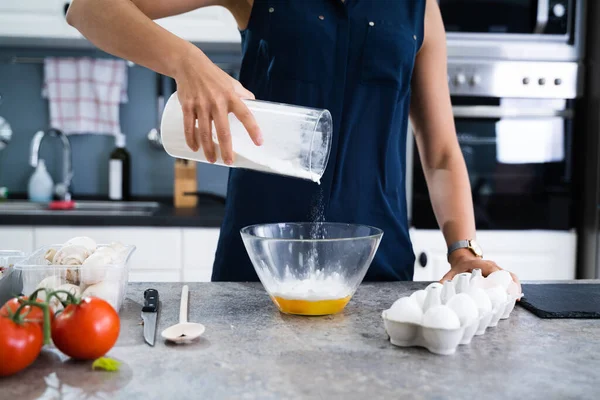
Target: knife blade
(149,314)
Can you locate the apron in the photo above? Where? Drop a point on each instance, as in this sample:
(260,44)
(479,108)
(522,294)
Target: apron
(356,60)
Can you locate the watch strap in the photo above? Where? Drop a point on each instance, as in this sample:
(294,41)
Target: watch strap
(461,244)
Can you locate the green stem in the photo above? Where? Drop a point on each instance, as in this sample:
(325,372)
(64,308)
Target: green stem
(45,309)
(71,299)
(35,293)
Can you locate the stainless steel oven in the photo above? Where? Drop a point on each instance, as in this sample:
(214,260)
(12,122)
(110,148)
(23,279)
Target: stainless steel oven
(515,29)
(514,123)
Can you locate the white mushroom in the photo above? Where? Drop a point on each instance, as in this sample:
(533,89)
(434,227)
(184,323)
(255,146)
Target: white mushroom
(51,283)
(106,290)
(71,254)
(121,252)
(93,269)
(83,241)
(55,304)
(49,256)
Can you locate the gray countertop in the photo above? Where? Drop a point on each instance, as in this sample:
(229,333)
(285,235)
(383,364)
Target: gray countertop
(251,351)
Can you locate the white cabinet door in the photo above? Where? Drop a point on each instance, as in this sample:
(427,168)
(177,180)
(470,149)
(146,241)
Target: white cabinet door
(29,22)
(157,249)
(206,25)
(531,255)
(199,247)
(429,248)
(16,238)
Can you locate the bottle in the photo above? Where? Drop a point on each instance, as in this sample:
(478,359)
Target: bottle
(119,173)
(40,186)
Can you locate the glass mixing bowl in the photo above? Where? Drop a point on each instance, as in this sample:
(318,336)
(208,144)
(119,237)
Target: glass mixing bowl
(311,268)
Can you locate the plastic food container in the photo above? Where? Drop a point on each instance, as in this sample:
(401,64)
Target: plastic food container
(10,285)
(404,331)
(296,140)
(108,281)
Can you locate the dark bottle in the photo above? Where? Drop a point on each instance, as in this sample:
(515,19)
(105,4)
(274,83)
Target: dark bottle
(119,172)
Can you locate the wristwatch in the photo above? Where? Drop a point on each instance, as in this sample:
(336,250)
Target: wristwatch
(470,244)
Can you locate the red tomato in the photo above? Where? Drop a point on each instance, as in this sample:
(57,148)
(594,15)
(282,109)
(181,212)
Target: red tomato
(87,330)
(32,314)
(20,344)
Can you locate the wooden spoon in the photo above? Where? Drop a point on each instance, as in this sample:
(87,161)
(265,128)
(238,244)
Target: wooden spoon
(184,331)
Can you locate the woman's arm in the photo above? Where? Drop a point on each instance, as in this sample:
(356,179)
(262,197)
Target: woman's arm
(442,160)
(125,29)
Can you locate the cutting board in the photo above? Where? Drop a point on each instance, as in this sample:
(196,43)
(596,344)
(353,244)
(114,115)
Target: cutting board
(560,300)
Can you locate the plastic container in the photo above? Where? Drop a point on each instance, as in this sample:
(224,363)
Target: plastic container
(112,279)
(296,140)
(445,341)
(40,187)
(311,268)
(10,284)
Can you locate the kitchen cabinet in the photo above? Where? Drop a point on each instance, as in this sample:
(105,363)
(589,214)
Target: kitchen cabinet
(213,24)
(16,238)
(41,23)
(199,247)
(531,255)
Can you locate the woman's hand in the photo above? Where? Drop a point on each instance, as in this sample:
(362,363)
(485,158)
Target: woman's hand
(462,262)
(207,94)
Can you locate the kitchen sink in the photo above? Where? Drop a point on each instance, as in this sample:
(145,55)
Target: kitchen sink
(84,207)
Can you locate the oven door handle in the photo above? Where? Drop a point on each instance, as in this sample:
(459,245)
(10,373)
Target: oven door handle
(508,112)
(541,20)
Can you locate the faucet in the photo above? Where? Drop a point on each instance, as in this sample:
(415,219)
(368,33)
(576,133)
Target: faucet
(61,189)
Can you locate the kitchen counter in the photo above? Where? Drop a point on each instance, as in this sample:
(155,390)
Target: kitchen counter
(250,350)
(208,214)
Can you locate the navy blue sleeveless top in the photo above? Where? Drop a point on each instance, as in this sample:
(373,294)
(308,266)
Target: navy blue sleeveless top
(356,60)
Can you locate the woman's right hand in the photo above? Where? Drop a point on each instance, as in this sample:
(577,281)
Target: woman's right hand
(207,94)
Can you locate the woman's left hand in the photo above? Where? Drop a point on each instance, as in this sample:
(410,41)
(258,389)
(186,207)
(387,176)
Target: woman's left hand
(467,263)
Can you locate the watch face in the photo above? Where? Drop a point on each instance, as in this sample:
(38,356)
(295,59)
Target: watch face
(475,248)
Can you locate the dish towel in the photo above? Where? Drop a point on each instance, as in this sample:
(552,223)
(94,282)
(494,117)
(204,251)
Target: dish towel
(84,94)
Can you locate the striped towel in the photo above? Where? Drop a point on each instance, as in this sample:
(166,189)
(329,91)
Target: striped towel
(84,94)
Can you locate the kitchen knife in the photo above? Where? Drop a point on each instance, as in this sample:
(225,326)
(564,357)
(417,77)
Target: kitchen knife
(149,314)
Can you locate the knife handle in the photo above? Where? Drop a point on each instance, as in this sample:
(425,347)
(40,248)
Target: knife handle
(150,300)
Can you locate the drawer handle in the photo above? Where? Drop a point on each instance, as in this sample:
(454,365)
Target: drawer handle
(66,8)
(423,260)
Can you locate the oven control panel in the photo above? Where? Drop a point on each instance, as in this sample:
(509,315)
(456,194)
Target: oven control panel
(520,79)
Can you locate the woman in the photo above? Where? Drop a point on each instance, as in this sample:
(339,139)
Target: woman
(372,63)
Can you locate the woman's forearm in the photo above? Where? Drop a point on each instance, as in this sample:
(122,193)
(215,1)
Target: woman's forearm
(120,28)
(450,195)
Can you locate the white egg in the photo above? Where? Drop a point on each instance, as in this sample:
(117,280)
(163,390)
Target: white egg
(105,290)
(464,306)
(93,269)
(405,309)
(419,296)
(477,279)
(83,241)
(448,291)
(441,317)
(500,278)
(482,300)
(513,290)
(55,304)
(50,283)
(497,296)
(433,298)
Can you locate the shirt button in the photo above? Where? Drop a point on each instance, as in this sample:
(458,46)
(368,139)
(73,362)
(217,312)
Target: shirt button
(271,9)
(371,23)
(321,17)
(414,37)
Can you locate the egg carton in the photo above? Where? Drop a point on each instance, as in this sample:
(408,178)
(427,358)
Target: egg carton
(442,317)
